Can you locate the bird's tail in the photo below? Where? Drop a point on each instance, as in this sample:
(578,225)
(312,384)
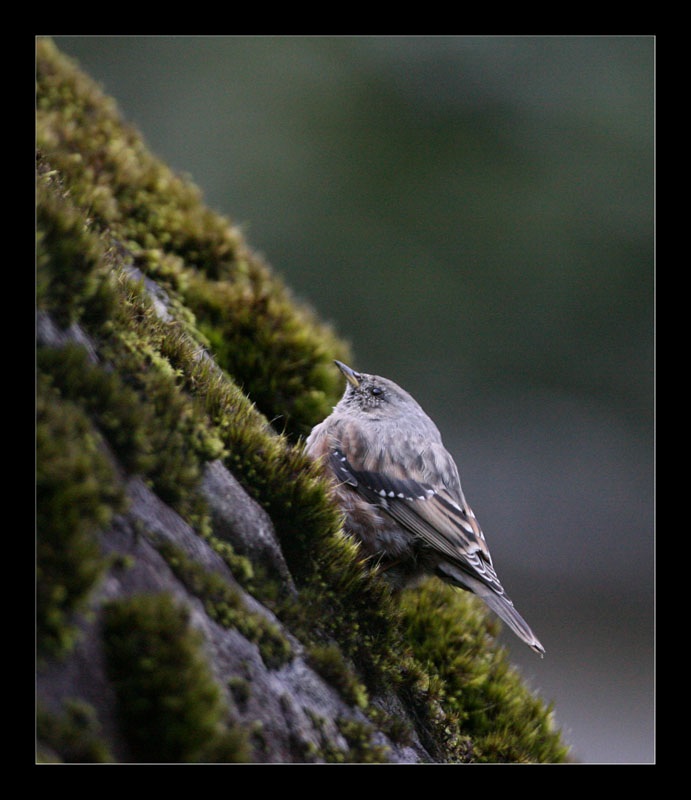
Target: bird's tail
(504,608)
(495,599)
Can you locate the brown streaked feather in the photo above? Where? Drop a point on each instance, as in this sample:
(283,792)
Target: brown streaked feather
(435,512)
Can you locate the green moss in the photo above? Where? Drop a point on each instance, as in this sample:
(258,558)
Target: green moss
(153,427)
(358,736)
(77,493)
(170,708)
(224,604)
(328,661)
(362,749)
(74,736)
(244,322)
(69,253)
(483,696)
(240,689)
(397,728)
(362,614)
(244,572)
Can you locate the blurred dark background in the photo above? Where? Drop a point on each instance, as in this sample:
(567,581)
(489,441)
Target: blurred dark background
(476,215)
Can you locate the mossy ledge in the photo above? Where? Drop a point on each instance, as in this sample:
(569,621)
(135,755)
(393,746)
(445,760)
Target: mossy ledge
(189,631)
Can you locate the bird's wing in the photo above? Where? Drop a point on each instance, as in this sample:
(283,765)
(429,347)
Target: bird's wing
(422,492)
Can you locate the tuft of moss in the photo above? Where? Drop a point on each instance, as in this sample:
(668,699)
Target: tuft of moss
(328,661)
(240,689)
(77,494)
(74,736)
(361,748)
(483,697)
(298,384)
(170,708)
(68,252)
(358,736)
(252,578)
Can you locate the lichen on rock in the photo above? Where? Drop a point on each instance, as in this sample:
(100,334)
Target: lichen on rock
(197,597)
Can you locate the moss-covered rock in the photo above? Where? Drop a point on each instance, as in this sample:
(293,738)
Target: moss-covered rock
(174,365)
(75,734)
(77,494)
(170,707)
(478,688)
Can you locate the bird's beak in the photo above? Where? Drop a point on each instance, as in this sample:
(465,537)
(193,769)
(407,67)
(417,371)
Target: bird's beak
(352,377)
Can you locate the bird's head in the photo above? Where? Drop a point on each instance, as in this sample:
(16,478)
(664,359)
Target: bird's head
(374,396)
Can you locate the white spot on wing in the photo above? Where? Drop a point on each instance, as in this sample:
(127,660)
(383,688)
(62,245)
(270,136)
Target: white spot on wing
(466,526)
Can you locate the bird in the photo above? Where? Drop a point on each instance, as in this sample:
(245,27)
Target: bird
(400,492)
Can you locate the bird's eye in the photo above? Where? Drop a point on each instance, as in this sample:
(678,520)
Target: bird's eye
(375,390)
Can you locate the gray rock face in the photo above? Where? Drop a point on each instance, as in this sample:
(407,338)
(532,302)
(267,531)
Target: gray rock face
(294,713)
(241,521)
(289,711)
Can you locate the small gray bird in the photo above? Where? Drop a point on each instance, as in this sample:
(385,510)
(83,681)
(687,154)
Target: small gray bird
(401,494)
